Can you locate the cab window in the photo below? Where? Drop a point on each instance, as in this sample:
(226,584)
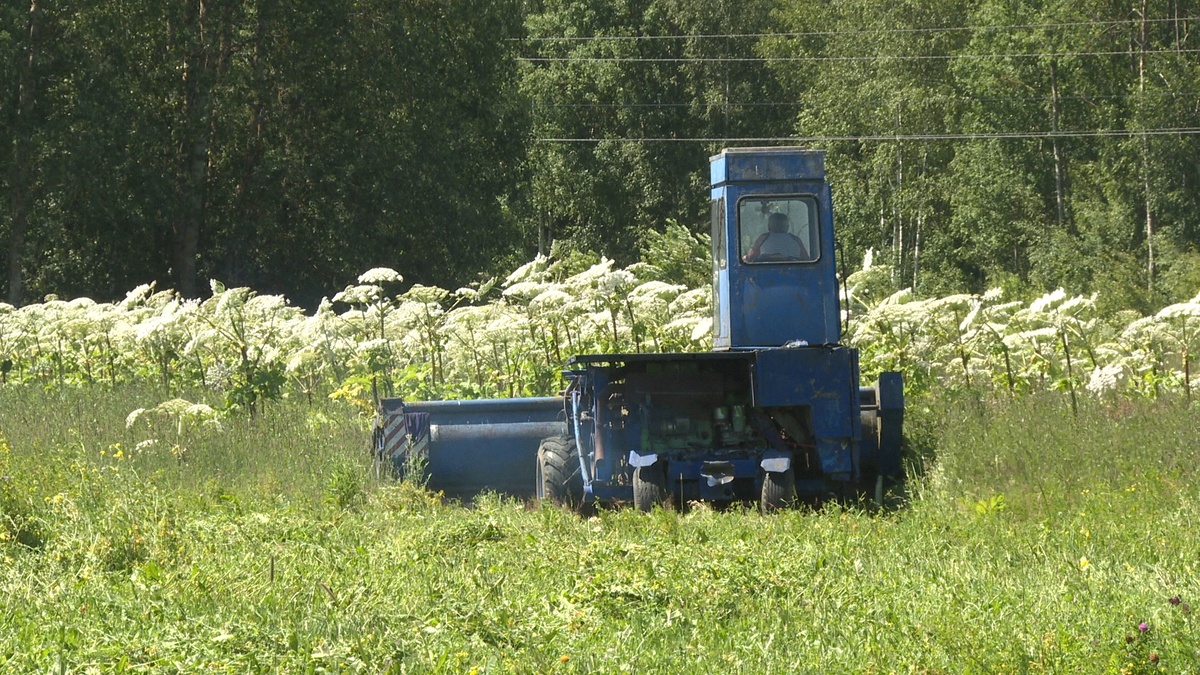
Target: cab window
(778,229)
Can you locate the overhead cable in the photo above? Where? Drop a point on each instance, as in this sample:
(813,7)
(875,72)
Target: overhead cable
(862,31)
(909,57)
(1095,133)
(933,99)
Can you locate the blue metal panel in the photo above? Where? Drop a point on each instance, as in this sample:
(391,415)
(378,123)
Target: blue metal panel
(691,469)
(488,444)
(610,492)
(836,457)
(891,422)
(488,411)
(716,168)
(824,379)
(810,376)
(766,164)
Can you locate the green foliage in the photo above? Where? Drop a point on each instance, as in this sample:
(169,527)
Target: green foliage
(972,145)
(289,145)
(606,194)
(1038,540)
(272,142)
(679,255)
(924,84)
(346,485)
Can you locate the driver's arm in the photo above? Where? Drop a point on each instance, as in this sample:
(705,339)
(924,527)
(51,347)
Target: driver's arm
(753,253)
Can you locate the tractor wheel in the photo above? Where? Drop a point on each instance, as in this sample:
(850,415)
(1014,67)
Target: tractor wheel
(778,490)
(650,486)
(558,474)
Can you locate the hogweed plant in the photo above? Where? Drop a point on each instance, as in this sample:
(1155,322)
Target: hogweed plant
(373,306)
(1182,329)
(244,338)
(323,354)
(372,339)
(422,317)
(175,417)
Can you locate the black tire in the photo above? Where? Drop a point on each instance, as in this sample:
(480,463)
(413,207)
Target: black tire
(778,491)
(559,478)
(650,487)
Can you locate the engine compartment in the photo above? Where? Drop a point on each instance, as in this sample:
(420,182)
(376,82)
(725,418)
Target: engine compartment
(696,415)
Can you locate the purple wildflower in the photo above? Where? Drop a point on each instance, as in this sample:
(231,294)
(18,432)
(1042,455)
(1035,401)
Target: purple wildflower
(1143,626)
(1174,600)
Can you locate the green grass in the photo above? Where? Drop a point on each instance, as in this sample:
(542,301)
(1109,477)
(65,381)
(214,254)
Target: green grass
(1035,542)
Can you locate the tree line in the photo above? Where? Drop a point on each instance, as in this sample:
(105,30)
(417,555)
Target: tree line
(289,146)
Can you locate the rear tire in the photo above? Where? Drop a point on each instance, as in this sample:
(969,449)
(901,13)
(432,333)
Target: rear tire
(778,490)
(559,478)
(650,487)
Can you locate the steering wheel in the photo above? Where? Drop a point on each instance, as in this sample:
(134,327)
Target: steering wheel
(776,257)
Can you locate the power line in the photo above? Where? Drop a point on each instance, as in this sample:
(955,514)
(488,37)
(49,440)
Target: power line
(765,104)
(933,99)
(1096,133)
(913,57)
(863,31)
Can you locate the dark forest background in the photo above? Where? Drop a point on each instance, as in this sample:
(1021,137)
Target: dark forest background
(289,146)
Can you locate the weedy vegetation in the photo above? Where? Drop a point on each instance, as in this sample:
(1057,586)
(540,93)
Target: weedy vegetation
(511,337)
(1031,539)
(185,487)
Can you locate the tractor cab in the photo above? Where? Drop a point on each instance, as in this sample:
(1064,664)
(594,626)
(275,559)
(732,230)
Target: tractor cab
(774,279)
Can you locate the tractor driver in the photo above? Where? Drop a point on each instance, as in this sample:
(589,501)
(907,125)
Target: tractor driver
(777,243)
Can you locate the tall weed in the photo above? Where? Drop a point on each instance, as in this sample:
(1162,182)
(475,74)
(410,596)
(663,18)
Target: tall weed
(1045,458)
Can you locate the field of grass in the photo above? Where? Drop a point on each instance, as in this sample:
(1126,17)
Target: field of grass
(1033,541)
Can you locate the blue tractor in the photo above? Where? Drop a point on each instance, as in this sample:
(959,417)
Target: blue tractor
(774,414)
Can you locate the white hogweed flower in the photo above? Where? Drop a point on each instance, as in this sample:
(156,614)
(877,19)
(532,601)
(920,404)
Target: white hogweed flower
(380,275)
(137,296)
(534,270)
(359,295)
(1105,379)
(1047,301)
(1183,309)
(550,299)
(426,294)
(132,418)
(526,290)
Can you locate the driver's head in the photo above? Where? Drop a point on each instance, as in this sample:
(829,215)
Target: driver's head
(777,222)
